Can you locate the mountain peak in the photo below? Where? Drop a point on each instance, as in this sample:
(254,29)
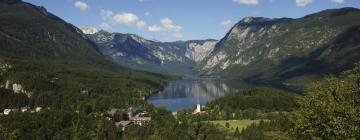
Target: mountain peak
(334,12)
(258,21)
(249,20)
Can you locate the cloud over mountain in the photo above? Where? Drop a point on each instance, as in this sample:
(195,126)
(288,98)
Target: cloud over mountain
(81,5)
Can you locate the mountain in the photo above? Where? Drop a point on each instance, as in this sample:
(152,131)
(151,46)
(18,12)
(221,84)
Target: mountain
(287,51)
(89,30)
(140,53)
(43,54)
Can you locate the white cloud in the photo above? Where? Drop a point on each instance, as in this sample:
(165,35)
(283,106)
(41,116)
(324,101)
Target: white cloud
(338,1)
(303,3)
(141,24)
(226,23)
(154,28)
(129,19)
(248,2)
(175,30)
(147,14)
(167,25)
(89,30)
(81,5)
(126,18)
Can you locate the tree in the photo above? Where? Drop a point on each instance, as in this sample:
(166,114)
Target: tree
(330,110)
(227,125)
(237,133)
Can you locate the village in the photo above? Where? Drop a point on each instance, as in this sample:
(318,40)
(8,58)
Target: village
(134,116)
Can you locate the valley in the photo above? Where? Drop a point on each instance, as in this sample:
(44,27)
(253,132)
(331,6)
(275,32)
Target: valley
(267,78)
(253,50)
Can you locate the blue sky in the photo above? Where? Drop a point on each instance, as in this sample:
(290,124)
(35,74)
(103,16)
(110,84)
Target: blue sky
(170,20)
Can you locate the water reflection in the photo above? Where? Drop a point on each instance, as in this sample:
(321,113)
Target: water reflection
(186,93)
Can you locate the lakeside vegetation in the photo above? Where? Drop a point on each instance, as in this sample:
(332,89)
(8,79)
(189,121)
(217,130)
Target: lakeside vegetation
(333,102)
(65,74)
(235,125)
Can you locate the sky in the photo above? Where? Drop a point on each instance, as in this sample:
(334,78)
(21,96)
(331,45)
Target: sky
(172,20)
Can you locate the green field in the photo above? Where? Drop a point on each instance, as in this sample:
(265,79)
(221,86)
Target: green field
(240,124)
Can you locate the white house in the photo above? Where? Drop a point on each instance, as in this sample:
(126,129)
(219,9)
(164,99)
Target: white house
(7,111)
(138,117)
(38,109)
(140,120)
(25,109)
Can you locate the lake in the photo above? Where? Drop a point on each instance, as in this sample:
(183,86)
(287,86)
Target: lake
(189,91)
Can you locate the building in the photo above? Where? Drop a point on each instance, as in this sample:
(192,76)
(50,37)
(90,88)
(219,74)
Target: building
(198,109)
(25,109)
(133,112)
(140,120)
(38,109)
(138,117)
(7,111)
(123,124)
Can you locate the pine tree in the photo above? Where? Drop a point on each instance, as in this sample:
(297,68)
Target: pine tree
(237,133)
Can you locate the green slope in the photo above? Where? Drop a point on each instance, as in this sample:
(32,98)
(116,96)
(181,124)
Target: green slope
(288,51)
(54,61)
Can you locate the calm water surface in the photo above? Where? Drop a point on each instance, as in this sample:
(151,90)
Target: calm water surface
(189,91)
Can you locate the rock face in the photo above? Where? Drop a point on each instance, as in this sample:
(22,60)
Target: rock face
(197,52)
(284,49)
(137,52)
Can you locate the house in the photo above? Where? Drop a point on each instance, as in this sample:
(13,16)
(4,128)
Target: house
(174,114)
(133,112)
(140,120)
(38,109)
(123,124)
(138,117)
(25,109)
(7,111)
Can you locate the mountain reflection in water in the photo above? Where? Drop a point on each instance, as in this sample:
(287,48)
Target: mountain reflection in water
(188,92)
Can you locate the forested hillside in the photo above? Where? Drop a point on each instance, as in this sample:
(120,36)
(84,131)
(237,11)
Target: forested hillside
(47,62)
(286,51)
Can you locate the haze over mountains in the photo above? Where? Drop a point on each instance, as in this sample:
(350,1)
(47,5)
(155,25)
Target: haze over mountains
(285,51)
